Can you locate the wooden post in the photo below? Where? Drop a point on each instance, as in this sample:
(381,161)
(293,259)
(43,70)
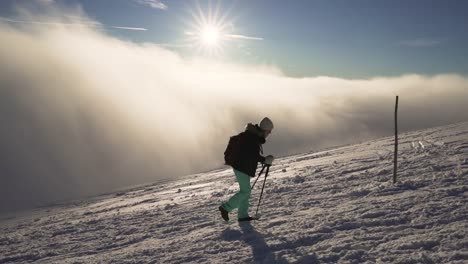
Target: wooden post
(395,165)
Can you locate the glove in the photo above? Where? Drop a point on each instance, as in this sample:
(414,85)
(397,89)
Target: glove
(269,159)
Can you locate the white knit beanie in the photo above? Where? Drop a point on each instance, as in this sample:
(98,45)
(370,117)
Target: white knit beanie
(266,124)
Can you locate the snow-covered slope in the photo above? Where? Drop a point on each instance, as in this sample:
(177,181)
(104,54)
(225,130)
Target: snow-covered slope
(335,206)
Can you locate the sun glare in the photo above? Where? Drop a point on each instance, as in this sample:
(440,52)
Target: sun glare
(208,30)
(210,35)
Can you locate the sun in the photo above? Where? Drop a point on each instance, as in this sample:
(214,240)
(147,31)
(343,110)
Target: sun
(210,35)
(209,30)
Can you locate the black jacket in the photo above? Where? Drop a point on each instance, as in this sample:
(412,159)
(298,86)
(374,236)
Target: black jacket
(251,142)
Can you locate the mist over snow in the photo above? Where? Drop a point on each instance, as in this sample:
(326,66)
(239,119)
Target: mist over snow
(82,112)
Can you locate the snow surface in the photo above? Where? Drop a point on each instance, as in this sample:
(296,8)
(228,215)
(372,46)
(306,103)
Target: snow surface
(335,206)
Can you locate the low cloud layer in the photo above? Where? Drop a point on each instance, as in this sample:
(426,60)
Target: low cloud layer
(83,113)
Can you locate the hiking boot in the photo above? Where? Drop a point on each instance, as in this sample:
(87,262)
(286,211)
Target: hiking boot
(224,213)
(249,218)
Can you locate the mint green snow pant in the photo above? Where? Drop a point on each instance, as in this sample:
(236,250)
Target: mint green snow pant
(241,199)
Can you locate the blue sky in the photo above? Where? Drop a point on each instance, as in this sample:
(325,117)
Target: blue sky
(350,39)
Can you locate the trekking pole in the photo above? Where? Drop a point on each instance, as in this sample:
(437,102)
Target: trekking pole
(263,168)
(261,193)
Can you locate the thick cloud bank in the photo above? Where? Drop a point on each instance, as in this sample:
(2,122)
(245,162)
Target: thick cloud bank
(82,112)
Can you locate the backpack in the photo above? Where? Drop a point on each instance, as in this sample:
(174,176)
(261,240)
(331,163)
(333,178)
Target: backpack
(232,152)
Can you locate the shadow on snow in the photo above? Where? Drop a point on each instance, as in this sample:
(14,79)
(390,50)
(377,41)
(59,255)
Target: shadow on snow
(261,252)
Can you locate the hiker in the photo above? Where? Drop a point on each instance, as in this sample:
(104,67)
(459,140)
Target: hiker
(245,151)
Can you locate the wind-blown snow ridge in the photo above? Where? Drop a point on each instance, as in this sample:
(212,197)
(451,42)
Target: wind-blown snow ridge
(336,206)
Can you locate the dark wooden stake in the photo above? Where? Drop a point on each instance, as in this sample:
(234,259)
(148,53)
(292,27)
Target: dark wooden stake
(395,165)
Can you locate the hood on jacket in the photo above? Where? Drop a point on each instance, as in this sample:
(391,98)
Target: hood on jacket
(255,130)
